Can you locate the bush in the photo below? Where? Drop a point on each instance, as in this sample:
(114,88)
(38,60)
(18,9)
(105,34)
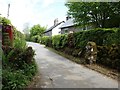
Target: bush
(35,38)
(19,43)
(18,67)
(17,79)
(43,39)
(17,57)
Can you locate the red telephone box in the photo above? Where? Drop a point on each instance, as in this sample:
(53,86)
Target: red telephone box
(7,38)
(9,30)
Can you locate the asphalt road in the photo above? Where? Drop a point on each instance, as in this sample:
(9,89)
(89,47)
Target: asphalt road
(56,71)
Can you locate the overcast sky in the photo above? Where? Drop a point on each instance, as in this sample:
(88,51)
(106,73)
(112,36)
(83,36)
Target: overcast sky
(33,12)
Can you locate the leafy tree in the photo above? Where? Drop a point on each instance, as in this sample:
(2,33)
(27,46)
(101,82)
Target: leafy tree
(103,14)
(36,32)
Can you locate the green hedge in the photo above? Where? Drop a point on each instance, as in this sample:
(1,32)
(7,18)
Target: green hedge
(79,39)
(59,41)
(109,56)
(46,41)
(74,44)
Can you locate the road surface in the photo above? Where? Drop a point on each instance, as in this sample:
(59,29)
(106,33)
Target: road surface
(56,71)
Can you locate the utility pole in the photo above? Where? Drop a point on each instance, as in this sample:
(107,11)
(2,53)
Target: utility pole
(8,10)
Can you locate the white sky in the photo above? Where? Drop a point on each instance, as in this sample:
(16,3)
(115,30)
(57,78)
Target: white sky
(33,12)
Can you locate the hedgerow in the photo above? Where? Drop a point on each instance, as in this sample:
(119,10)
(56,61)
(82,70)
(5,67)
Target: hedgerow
(105,39)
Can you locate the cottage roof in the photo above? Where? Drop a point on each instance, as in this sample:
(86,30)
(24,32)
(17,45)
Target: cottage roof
(52,27)
(68,23)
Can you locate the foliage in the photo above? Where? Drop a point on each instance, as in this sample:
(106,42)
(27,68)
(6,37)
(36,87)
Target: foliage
(74,44)
(36,31)
(4,21)
(18,34)
(71,40)
(19,43)
(56,41)
(35,38)
(18,67)
(16,57)
(59,41)
(18,79)
(109,56)
(100,36)
(102,14)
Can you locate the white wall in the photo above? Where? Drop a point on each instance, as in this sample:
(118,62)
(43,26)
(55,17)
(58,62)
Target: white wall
(56,30)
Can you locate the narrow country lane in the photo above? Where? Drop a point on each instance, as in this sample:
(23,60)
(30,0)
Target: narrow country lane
(56,71)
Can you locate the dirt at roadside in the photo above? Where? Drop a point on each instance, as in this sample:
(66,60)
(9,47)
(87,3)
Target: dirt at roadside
(106,71)
(35,80)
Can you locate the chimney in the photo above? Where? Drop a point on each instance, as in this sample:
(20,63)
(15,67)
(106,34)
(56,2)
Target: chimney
(56,21)
(68,17)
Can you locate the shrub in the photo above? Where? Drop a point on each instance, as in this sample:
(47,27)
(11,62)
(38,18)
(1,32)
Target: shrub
(19,43)
(17,57)
(18,79)
(18,67)
(43,40)
(35,38)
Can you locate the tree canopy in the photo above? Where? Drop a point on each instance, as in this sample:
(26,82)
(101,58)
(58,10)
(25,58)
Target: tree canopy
(102,14)
(37,30)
